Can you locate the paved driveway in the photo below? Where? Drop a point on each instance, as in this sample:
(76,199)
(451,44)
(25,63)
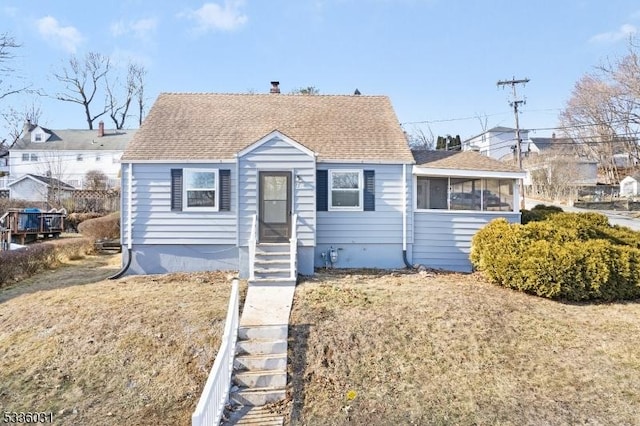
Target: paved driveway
(615,217)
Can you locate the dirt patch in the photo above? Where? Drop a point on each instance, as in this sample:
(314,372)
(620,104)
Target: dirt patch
(378,348)
(132,351)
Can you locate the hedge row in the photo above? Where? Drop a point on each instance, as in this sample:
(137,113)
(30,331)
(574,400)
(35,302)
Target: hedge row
(106,227)
(571,256)
(23,263)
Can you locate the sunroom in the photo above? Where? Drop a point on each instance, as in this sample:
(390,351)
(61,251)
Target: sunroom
(455,194)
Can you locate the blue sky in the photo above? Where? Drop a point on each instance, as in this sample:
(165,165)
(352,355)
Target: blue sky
(437,60)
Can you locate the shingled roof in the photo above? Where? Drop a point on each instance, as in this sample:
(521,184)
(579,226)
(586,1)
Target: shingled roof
(461,160)
(193,126)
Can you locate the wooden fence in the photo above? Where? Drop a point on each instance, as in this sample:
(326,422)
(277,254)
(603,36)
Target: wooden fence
(93,200)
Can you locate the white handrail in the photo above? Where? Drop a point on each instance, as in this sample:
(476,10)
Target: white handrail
(293,248)
(252,247)
(216,390)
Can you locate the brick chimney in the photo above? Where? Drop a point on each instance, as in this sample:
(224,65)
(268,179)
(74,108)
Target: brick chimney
(275,87)
(101,129)
(26,128)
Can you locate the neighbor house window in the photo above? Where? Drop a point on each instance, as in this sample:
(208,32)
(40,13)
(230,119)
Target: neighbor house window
(200,189)
(79,157)
(97,157)
(345,188)
(34,157)
(38,137)
(25,157)
(448,193)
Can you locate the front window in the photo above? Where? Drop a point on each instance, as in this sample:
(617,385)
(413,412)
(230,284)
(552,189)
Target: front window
(448,193)
(25,157)
(345,189)
(200,189)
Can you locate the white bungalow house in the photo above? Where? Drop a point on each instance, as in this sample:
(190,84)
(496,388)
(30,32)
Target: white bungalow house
(67,155)
(39,189)
(630,186)
(274,185)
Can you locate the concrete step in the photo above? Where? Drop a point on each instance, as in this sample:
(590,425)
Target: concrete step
(248,415)
(275,332)
(260,362)
(272,261)
(261,379)
(266,274)
(272,270)
(257,396)
(273,248)
(261,346)
(266,282)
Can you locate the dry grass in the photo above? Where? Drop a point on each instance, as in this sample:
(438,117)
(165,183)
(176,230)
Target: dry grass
(96,352)
(452,349)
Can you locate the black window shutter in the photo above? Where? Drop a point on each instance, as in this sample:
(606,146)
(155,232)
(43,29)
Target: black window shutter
(369,190)
(322,182)
(225,190)
(176,189)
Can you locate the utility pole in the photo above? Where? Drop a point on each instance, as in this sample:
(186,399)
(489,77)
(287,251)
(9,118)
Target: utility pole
(515,104)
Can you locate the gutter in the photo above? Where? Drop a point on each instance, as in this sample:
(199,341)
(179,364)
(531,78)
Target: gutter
(404,217)
(124,269)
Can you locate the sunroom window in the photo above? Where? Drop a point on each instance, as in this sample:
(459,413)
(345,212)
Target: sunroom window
(346,189)
(448,193)
(200,188)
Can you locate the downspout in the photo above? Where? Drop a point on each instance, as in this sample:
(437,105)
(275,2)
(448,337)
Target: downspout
(129,225)
(404,217)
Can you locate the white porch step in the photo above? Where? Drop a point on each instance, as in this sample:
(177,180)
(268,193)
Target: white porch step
(272,282)
(274,332)
(261,379)
(250,415)
(257,396)
(260,362)
(261,346)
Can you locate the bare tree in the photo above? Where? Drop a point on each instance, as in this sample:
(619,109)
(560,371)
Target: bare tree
(14,121)
(82,80)
(95,179)
(133,88)
(139,75)
(603,113)
(419,140)
(7,47)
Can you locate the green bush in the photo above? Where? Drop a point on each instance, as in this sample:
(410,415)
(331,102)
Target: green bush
(566,256)
(23,263)
(538,212)
(106,227)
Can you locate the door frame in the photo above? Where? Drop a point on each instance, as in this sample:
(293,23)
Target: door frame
(289,206)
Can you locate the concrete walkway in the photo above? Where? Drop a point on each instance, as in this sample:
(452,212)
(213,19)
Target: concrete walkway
(260,366)
(267,304)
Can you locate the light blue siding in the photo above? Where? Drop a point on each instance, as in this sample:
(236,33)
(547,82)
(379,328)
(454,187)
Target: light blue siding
(278,155)
(443,240)
(163,258)
(382,226)
(153,221)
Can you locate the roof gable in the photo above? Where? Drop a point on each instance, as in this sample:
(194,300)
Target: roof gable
(188,127)
(276,135)
(43,180)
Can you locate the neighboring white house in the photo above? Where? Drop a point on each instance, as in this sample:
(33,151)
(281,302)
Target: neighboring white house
(630,186)
(67,155)
(39,188)
(499,143)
